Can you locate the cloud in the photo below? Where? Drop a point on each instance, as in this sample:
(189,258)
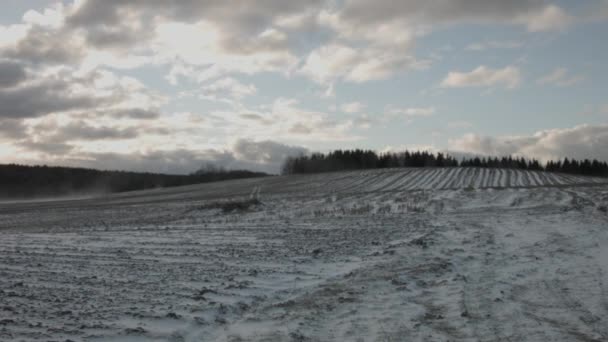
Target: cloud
(82,131)
(227,87)
(300,128)
(482,76)
(596,12)
(295,122)
(266,152)
(459,124)
(352,107)
(535,15)
(61,103)
(356,41)
(411,112)
(550,18)
(45,97)
(55,149)
(364,121)
(214,37)
(494,44)
(329,62)
(62,90)
(375,40)
(261,119)
(342,62)
(42,46)
(178,161)
(579,142)
(239,22)
(12,129)
(560,77)
(11,74)
(133,113)
(407,115)
(284,119)
(360,53)
(266,156)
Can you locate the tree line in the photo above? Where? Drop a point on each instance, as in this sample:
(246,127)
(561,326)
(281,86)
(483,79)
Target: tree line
(23,181)
(358,159)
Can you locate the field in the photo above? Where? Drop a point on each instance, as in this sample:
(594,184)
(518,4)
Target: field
(437,254)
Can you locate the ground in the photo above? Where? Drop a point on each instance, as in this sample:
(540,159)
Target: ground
(396,255)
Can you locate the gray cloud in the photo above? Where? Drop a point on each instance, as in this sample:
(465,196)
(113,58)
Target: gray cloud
(121,113)
(95,94)
(438,11)
(256,117)
(113,22)
(46,46)
(83,131)
(48,96)
(135,113)
(11,74)
(12,129)
(119,35)
(172,162)
(508,76)
(579,142)
(265,156)
(49,148)
(180,161)
(265,152)
(300,128)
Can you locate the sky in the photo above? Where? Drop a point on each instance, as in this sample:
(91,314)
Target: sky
(167,86)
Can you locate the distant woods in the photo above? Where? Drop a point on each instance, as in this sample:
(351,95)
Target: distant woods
(21,181)
(365,159)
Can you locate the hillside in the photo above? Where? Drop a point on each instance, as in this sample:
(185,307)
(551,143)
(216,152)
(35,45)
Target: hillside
(24,181)
(434,254)
(383,180)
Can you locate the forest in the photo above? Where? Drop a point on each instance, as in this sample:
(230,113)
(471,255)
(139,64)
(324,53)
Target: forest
(23,181)
(366,159)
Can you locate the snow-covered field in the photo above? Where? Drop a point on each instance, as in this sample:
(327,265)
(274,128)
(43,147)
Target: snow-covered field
(382,255)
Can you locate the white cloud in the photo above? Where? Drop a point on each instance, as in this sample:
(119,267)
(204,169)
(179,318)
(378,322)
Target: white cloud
(391,113)
(579,142)
(295,123)
(459,124)
(54,86)
(342,62)
(550,18)
(374,40)
(9,35)
(535,15)
(509,77)
(206,58)
(329,92)
(51,17)
(227,87)
(560,77)
(265,152)
(265,156)
(494,44)
(364,121)
(412,112)
(62,90)
(329,62)
(352,107)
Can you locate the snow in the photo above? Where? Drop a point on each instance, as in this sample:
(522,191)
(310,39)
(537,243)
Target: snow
(382,255)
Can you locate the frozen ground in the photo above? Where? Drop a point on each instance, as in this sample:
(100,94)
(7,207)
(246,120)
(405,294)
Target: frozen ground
(392,255)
